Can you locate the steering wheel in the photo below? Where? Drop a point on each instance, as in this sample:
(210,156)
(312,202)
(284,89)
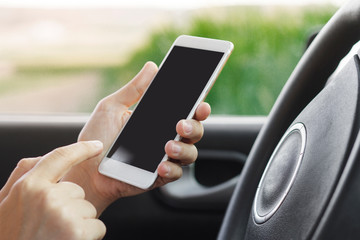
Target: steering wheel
(302,177)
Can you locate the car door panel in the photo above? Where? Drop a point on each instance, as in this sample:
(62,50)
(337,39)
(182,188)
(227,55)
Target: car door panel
(192,207)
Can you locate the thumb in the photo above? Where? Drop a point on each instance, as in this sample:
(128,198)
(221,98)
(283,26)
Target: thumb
(133,90)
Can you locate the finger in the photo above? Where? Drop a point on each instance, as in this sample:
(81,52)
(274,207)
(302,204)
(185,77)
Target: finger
(133,90)
(94,229)
(202,112)
(168,172)
(70,190)
(191,130)
(23,166)
(185,153)
(81,208)
(57,163)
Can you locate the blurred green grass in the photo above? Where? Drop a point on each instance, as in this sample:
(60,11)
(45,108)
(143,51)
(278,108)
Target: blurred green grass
(269,42)
(268,45)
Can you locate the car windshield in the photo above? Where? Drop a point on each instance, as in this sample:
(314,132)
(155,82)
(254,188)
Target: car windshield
(63,56)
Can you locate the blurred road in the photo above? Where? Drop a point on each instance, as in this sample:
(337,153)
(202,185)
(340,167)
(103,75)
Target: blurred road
(66,38)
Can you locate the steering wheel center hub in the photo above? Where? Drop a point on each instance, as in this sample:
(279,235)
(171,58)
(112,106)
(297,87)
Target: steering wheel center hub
(280,173)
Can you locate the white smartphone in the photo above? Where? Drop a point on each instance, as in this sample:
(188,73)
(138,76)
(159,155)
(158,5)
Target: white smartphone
(184,78)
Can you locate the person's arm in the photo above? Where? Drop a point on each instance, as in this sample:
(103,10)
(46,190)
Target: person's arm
(104,124)
(35,205)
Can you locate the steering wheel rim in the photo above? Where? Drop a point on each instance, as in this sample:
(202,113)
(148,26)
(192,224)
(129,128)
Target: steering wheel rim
(315,67)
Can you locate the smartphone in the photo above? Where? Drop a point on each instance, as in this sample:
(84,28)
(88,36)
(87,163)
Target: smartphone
(183,80)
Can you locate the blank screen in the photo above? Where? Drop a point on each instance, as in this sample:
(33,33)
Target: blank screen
(170,98)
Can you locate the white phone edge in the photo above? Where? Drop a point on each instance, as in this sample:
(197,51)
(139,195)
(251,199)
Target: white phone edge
(139,177)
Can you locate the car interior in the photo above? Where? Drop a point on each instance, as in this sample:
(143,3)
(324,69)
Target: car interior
(293,174)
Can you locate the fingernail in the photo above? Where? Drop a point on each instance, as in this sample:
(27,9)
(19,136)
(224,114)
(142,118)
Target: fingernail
(187,127)
(176,148)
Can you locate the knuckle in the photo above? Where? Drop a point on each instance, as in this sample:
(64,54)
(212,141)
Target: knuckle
(189,154)
(25,186)
(179,174)
(199,129)
(104,104)
(91,208)
(103,228)
(79,190)
(48,200)
(28,188)
(62,213)
(24,163)
(197,133)
(80,231)
(70,227)
(76,232)
(49,194)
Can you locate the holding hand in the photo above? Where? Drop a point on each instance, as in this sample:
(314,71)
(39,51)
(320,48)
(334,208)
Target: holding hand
(107,120)
(35,205)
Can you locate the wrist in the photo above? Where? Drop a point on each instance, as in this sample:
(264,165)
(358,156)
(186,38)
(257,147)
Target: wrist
(8,228)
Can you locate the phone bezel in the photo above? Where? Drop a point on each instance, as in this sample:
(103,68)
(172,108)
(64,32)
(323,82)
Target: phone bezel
(145,179)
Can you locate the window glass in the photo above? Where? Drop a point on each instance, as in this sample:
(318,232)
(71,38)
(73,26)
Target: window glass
(65,59)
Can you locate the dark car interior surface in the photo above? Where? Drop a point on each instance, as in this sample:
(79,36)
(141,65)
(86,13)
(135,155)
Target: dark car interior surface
(294,174)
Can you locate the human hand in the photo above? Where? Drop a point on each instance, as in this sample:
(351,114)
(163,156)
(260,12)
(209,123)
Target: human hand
(105,123)
(35,205)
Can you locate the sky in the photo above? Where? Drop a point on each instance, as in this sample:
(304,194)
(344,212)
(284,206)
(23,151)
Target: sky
(154,3)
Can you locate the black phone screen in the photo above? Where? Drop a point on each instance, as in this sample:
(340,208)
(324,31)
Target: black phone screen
(170,98)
